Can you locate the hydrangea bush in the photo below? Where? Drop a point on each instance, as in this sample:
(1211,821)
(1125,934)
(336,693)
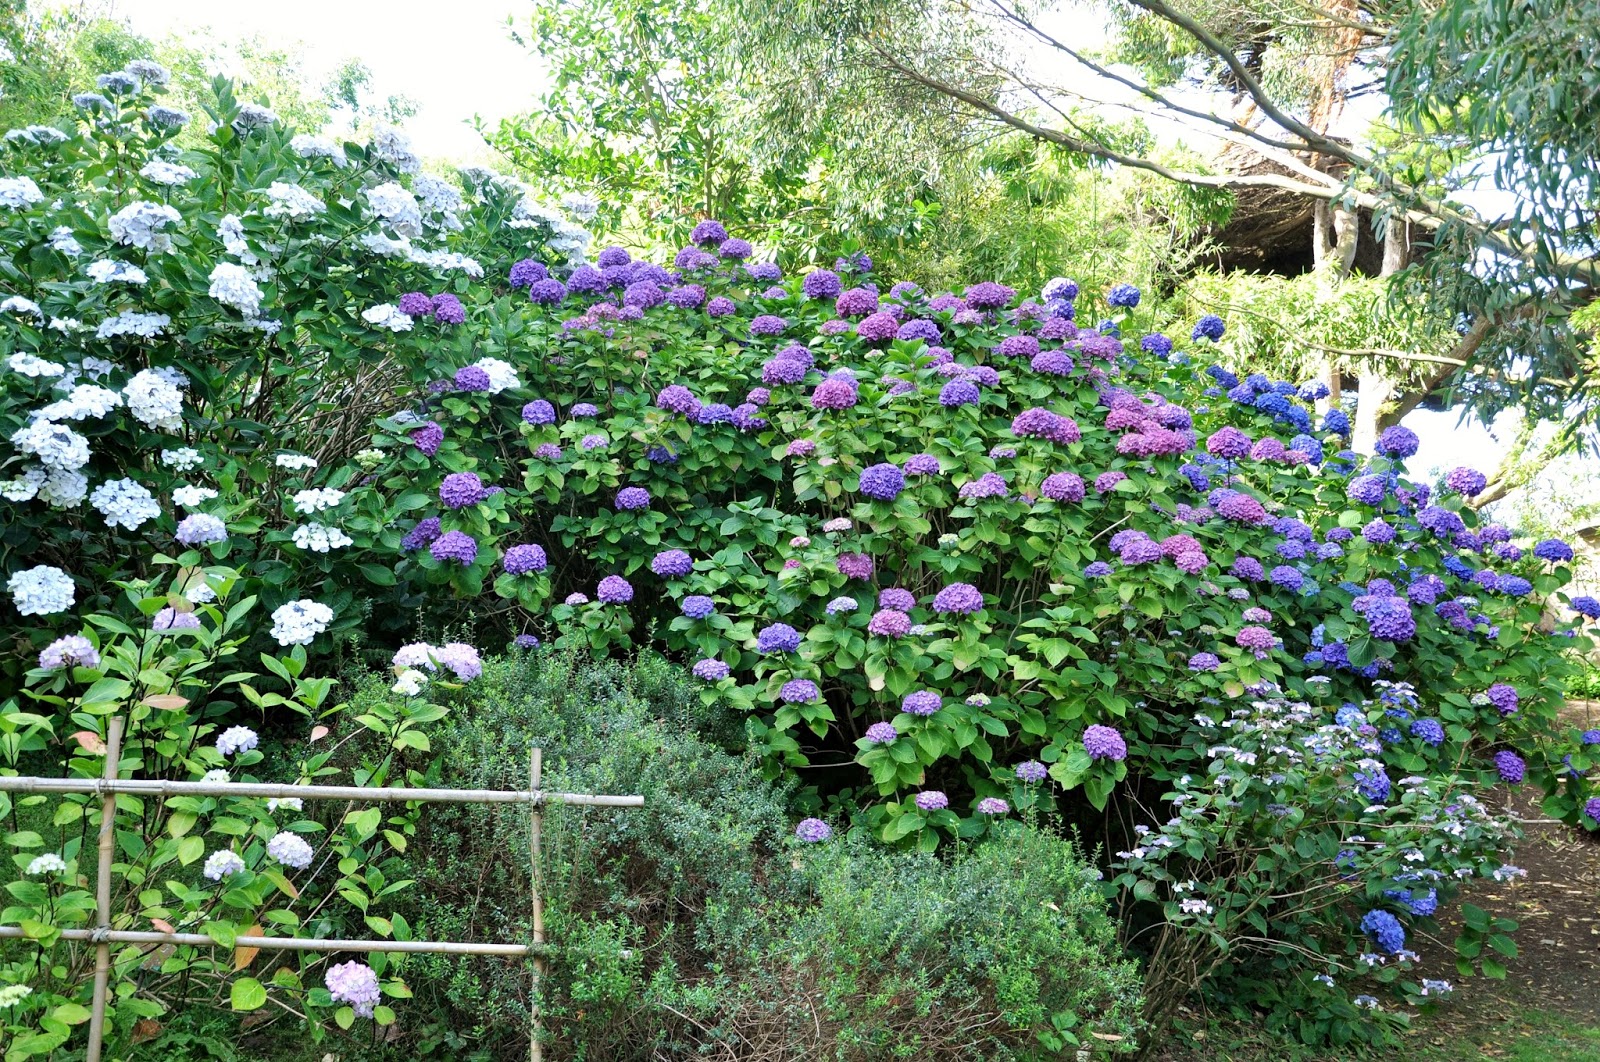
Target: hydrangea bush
(992,549)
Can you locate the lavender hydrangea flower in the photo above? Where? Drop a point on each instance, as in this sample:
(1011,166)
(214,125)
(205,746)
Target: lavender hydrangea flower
(520,560)
(356,984)
(1204,662)
(799,691)
(426,531)
(710,670)
(74,650)
(821,284)
(835,392)
(958,599)
(889,623)
(201,529)
(921,702)
(854,565)
(959,392)
(993,806)
(472,378)
(428,437)
(1104,743)
(539,412)
(988,295)
(461,489)
(813,831)
(672,564)
(882,733)
(1031,771)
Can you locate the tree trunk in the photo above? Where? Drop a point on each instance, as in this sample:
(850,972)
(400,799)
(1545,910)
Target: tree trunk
(1376,389)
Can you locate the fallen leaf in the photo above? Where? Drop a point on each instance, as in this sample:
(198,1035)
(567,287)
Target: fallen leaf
(318,732)
(146,1029)
(167,702)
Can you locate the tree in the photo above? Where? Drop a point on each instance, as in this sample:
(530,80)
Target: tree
(1266,82)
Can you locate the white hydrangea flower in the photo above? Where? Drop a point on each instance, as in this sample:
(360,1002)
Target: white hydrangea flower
(317,499)
(380,244)
(64,489)
(291,803)
(292,202)
(41,590)
(48,863)
(232,285)
(200,593)
(56,445)
(409,683)
(139,224)
(254,116)
(19,193)
(394,147)
(580,205)
(222,863)
(149,71)
(298,622)
(133,323)
(188,496)
(438,195)
(447,260)
(387,315)
(296,462)
(183,458)
(290,850)
(398,207)
(30,365)
(230,230)
(83,402)
(502,376)
(237,739)
(154,400)
(308,146)
(216,777)
(36,134)
(160,171)
(11,995)
(18,305)
(111,271)
(320,538)
(61,239)
(26,486)
(124,503)
(67,324)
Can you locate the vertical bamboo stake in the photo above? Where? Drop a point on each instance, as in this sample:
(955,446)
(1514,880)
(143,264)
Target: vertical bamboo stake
(102,891)
(536,823)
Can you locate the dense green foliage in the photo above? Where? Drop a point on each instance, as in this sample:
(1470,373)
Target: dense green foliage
(739,942)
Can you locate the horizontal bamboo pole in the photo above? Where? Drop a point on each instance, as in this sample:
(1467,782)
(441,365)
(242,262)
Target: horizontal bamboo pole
(445,947)
(157,787)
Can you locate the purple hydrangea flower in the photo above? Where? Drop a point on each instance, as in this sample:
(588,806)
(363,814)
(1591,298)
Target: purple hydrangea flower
(854,565)
(525,641)
(472,378)
(1510,766)
(777,638)
(632,498)
(1503,697)
(547,292)
(821,284)
(708,233)
(988,295)
(889,623)
(447,309)
(461,489)
(539,412)
(1229,443)
(1204,662)
(882,481)
(836,392)
(921,702)
(424,533)
(428,437)
(672,564)
(415,304)
(454,546)
(882,733)
(614,590)
(959,392)
(520,560)
(932,800)
(1553,550)
(1104,743)
(1398,442)
(527,271)
(721,306)
(993,806)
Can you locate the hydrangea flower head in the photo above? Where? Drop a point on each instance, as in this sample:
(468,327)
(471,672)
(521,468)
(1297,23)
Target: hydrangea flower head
(1104,743)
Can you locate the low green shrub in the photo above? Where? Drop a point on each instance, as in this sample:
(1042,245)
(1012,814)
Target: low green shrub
(695,925)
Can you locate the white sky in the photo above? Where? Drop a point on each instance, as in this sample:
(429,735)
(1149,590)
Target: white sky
(456,59)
